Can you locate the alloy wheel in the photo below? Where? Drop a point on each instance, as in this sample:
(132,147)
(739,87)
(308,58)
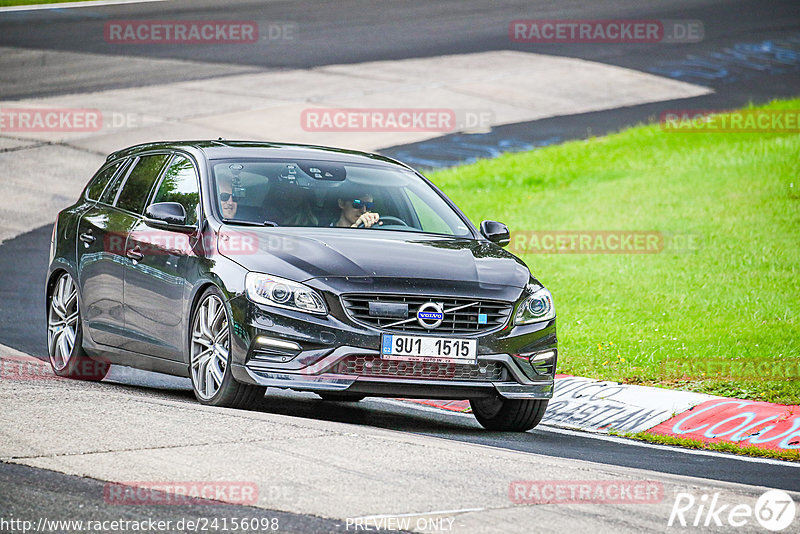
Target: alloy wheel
(210,347)
(62,322)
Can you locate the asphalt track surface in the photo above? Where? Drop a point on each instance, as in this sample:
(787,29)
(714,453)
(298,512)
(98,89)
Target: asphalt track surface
(346,31)
(350,32)
(750,52)
(40,493)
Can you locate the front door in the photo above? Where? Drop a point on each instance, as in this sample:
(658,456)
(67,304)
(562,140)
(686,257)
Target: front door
(155,284)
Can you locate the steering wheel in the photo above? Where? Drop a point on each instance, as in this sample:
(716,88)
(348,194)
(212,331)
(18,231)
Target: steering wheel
(385,218)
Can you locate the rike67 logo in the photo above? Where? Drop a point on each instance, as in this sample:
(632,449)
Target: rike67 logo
(774,510)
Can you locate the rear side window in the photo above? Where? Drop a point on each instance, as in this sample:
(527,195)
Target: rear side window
(140,181)
(179,184)
(111,191)
(100,181)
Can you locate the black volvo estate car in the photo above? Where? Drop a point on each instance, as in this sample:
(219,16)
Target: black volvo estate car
(248,265)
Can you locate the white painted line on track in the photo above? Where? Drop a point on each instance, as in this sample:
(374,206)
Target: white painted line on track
(605,437)
(422,514)
(65,5)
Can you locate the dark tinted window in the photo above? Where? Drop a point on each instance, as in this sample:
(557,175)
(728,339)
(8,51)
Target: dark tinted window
(111,191)
(100,181)
(140,181)
(179,184)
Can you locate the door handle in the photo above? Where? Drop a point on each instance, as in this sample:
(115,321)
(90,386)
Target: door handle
(87,237)
(135,254)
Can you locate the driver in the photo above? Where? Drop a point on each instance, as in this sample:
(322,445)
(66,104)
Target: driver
(355,210)
(228,203)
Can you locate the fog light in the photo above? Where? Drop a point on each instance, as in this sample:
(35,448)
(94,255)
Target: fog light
(277,343)
(542,357)
(544,363)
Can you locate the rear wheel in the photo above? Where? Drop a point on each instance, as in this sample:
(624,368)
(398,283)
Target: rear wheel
(64,336)
(342,397)
(212,379)
(513,415)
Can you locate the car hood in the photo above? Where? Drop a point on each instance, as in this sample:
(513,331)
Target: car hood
(304,253)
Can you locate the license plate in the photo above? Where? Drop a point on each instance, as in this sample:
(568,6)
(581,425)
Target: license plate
(428,349)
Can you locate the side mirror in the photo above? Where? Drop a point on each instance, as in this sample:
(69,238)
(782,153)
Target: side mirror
(496,232)
(169,215)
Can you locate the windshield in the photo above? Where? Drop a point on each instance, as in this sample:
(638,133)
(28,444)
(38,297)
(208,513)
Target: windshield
(304,193)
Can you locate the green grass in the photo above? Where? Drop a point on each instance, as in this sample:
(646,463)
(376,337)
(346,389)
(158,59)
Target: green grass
(4,3)
(722,446)
(735,297)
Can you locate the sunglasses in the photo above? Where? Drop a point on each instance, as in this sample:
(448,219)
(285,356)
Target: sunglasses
(358,204)
(227,196)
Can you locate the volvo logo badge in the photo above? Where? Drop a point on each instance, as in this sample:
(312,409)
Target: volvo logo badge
(430,315)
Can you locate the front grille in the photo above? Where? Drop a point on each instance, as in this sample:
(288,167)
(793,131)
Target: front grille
(462,321)
(374,366)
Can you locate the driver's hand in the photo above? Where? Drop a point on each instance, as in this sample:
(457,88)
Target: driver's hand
(368,219)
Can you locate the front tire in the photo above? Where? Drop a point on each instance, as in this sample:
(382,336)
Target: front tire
(509,415)
(210,369)
(65,336)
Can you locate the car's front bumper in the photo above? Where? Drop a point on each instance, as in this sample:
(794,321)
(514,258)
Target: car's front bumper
(285,349)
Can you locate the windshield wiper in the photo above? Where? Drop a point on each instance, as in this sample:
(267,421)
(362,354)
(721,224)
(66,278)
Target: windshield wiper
(249,223)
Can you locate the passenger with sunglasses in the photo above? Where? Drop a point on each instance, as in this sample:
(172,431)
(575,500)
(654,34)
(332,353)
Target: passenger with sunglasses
(356,211)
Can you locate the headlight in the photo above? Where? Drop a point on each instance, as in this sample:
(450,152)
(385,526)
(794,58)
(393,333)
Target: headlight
(274,291)
(537,307)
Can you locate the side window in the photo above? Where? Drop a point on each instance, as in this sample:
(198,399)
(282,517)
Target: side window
(100,181)
(111,191)
(140,181)
(179,184)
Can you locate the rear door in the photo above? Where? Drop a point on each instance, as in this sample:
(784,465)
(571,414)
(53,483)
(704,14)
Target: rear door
(100,256)
(155,284)
(103,232)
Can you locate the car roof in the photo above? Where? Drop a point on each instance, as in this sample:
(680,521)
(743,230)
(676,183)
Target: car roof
(225,149)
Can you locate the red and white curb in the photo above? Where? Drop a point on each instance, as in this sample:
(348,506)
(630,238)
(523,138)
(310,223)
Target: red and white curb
(601,406)
(747,423)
